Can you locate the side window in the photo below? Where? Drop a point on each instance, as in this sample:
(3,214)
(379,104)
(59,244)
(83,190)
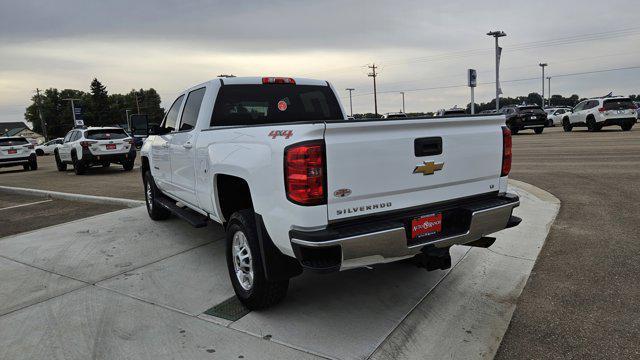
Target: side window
(580,106)
(67,137)
(76,136)
(171,119)
(192,109)
(594,104)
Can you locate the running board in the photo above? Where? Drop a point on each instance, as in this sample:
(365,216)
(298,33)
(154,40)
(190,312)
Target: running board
(195,219)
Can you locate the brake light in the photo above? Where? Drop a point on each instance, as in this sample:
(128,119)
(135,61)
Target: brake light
(30,146)
(506,151)
(278,80)
(86,144)
(130,141)
(304,173)
(601,109)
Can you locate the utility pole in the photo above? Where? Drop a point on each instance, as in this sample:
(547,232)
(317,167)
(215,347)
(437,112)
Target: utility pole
(43,124)
(126,111)
(549,88)
(137,105)
(375,94)
(497,35)
(402,93)
(543,65)
(350,100)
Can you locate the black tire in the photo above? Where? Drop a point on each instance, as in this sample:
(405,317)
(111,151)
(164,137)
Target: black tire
(78,167)
(538,130)
(26,167)
(128,165)
(261,293)
(592,126)
(550,123)
(33,164)
(40,152)
(59,164)
(566,125)
(151,193)
(106,164)
(514,131)
(627,126)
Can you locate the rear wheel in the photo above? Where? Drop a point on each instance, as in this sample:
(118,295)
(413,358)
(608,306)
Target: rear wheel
(26,167)
(566,125)
(106,164)
(244,262)
(59,164)
(550,122)
(33,164)
(151,193)
(514,131)
(627,126)
(128,165)
(538,130)
(592,126)
(78,167)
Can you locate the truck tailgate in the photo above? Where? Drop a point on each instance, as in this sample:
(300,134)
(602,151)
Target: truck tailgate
(387,165)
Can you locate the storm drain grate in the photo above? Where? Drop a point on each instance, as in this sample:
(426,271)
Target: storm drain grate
(230,309)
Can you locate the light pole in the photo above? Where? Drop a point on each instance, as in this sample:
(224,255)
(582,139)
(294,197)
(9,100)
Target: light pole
(497,35)
(73,111)
(402,93)
(350,100)
(549,88)
(543,65)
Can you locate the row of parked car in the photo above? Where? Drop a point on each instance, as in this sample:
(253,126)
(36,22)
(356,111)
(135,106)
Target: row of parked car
(82,148)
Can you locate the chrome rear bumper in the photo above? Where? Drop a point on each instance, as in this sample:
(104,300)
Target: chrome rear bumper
(390,243)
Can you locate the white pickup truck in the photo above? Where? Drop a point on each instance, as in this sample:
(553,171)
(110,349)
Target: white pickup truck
(299,186)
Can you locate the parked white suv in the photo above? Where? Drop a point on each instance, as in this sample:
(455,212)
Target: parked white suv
(48,147)
(16,151)
(598,112)
(298,186)
(556,114)
(93,146)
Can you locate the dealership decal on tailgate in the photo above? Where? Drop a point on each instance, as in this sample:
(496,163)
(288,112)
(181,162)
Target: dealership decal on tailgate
(426,225)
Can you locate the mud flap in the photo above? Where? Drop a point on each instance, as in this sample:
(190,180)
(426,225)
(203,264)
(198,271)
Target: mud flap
(277,266)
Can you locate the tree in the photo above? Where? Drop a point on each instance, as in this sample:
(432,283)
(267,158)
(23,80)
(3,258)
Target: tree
(98,113)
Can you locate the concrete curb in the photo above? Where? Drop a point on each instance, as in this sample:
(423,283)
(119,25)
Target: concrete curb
(72,197)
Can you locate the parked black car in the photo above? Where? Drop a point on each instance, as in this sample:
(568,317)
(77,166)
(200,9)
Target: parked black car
(525,117)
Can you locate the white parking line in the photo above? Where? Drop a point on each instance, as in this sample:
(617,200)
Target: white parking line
(21,205)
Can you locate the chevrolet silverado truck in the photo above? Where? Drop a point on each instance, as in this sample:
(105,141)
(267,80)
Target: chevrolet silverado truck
(298,186)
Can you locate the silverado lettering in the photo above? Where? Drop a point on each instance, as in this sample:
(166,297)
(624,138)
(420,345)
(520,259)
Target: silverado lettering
(354,210)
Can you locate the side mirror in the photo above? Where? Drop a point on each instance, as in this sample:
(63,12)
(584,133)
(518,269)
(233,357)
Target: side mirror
(157,130)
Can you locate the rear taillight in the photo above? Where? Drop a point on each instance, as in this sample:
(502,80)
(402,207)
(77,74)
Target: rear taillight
(304,173)
(601,109)
(30,147)
(506,151)
(130,141)
(86,144)
(278,80)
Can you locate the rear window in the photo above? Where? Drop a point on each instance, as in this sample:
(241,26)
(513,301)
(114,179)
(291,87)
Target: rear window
(396,116)
(107,134)
(455,112)
(13,141)
(277,103)
(619,104)
(535,109)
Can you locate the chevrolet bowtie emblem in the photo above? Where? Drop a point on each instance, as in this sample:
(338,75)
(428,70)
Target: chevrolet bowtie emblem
(428,168)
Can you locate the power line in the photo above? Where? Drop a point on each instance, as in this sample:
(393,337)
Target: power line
(503,81)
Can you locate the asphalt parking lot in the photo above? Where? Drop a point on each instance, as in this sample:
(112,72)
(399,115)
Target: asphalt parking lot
(21,213)
(579,302)
(111,182)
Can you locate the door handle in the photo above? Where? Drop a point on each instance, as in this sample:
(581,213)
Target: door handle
(187,145)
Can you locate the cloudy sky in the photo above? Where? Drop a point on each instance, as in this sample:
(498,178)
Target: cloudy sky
(422,47)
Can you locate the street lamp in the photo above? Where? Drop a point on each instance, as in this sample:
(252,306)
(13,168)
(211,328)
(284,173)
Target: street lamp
(402,93)
(549,88)
(543,65)
(350,100)
(497,35)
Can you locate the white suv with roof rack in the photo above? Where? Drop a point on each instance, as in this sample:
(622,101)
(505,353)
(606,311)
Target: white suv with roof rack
(16,151)
(598,112)
(95,146)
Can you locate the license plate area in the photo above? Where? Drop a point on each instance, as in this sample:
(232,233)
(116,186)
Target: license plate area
(111,146)
(12,151)
(437,225)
